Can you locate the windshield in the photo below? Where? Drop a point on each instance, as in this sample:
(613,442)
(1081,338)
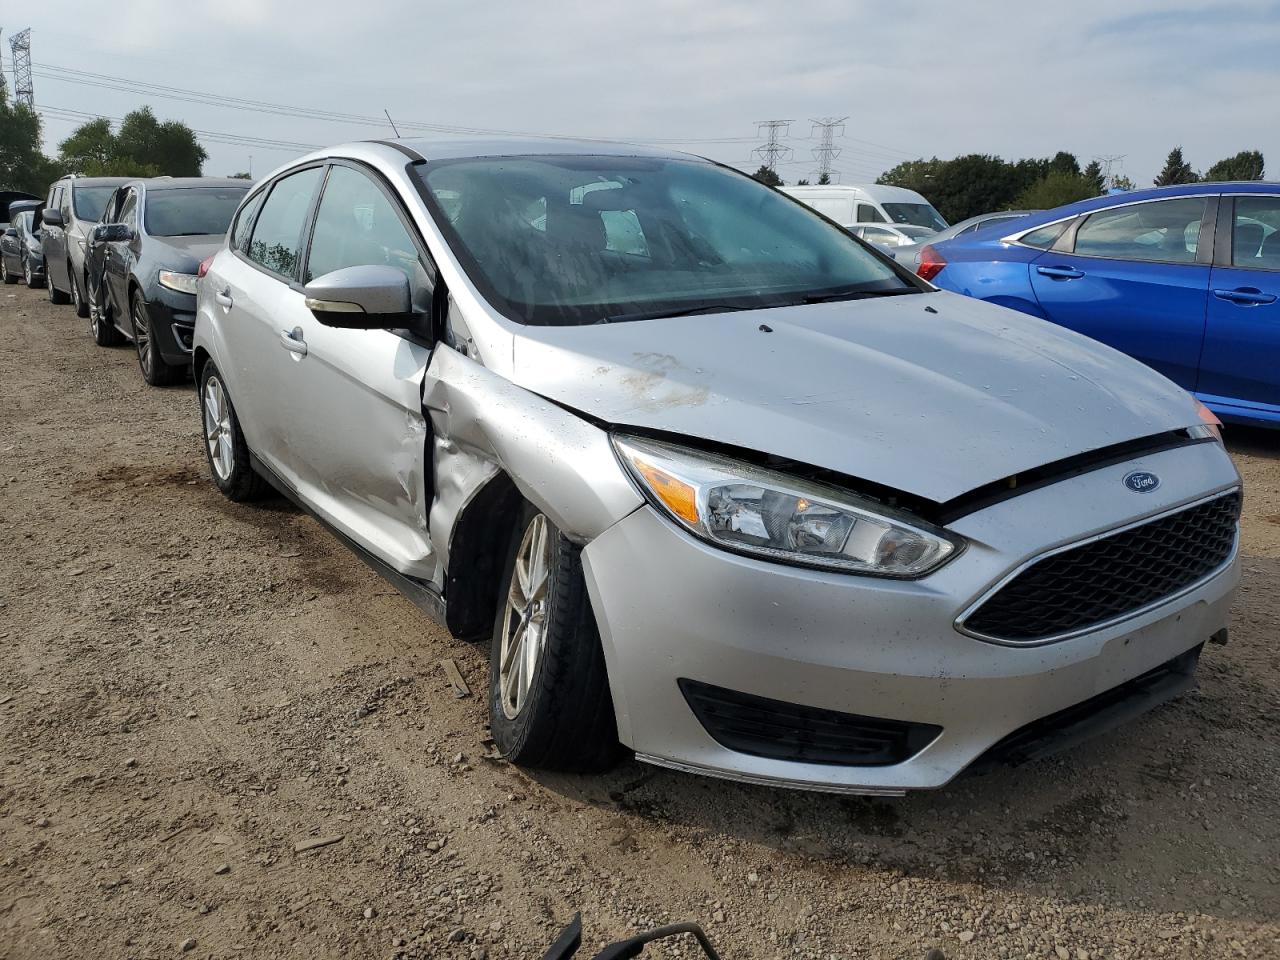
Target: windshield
(916,233)
(91,201)
(192,211)
(920,214)
(581,239)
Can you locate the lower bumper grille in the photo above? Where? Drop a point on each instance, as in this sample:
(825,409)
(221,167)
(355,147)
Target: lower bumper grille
(1112,576)
(786,731)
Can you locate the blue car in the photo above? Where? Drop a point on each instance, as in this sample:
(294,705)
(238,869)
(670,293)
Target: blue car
(1185,279)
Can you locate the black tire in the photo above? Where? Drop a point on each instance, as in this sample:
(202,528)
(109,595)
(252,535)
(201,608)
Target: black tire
(77,296)
(56,296)
(5,275)
(155,370)
(101,326)
(566,721)
(33,282)
(241,482)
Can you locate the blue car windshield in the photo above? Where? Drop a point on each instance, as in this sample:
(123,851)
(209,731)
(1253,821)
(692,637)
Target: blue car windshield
(564,240)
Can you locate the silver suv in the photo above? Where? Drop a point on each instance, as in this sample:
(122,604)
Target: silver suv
(74,207)
(719,482)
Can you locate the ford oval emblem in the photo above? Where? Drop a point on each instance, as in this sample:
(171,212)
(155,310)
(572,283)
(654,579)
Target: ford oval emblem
(1140,481)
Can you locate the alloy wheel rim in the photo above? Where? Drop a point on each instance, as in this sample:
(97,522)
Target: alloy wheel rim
(142,336)
(75,294)
(4,270)
(26,271)
(217,428)
(524,622)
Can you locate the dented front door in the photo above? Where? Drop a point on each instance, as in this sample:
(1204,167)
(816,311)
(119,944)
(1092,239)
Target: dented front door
(357,436)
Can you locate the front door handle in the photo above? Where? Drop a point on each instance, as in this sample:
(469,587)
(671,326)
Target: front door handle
(223,298)
(292,341)
(1060,273)
(1247,296)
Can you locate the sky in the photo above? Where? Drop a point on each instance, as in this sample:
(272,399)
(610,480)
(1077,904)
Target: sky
(915,79)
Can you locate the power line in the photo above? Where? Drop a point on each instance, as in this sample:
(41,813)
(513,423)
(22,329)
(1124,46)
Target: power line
(213,136)
(20,46)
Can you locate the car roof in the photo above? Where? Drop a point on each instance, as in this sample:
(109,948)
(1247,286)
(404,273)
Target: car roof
(441,148)
(1151,193)
(96,181)
(185,183)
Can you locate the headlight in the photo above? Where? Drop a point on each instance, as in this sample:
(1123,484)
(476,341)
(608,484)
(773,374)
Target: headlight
(182,282)
(1210,426)
(766,514)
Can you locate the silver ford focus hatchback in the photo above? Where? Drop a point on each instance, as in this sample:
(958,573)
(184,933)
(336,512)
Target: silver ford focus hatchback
(722,484)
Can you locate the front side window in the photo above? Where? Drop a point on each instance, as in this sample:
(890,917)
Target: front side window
(277,233)
(918,214)
(869,214)
(192,211)
(129,210)
(89,202)
(244,222)
(356,225)
(582,239)
(1255,237)
(1159,230)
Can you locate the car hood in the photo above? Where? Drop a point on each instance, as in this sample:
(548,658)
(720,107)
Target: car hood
(932,394)
(184,254)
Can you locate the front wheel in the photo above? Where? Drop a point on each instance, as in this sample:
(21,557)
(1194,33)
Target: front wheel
(104,331)
(224,443)
(155,370)
(77,300)
(56,296)
(549,701)
(5,275)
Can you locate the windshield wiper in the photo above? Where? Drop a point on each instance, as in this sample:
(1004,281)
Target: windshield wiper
(687,312)
(856,295)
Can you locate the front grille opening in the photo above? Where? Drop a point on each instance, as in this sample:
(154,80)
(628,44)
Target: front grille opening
(787,731)
(1111,577)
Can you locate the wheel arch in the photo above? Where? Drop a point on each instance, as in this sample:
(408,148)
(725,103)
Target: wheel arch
(478,547)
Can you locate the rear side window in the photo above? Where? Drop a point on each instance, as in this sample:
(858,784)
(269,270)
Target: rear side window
(277,234)
(244,222)
(1167,231)
(1044,237)
(1255,235)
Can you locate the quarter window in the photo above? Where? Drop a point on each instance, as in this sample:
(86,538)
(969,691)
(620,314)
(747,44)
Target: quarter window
(1044,237)
(244,222)
(1160,230)
(277,234)
(1255,234)
(357,225)
(869,214)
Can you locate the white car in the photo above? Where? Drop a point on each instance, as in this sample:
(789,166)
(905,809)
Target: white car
(718,483)
(891,236)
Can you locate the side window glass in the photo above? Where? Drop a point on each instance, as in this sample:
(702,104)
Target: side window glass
(1255,236)
(1044,237)
(129,210)
(869,214)
(277,234)
(357,225)
(244,221)
(1160,230)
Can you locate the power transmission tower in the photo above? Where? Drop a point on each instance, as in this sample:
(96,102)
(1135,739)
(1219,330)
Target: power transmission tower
(1,69)
(1106,162)
(772,150)
(23,91)
(826,130)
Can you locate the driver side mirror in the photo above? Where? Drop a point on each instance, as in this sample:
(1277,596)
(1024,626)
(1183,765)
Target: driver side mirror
(53,218)
(112,233)
(370,297)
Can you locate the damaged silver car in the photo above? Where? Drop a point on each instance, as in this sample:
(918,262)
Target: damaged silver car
(720,483)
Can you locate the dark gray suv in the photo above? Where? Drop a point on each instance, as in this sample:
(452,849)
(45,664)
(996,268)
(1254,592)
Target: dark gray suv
(74,208)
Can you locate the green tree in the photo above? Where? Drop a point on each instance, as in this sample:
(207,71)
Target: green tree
(1064,162)
(143,147)
(22,165)
(1056,189)
(1176,170)
(1245,165)
(242,176)
(824,179)
(1120,182)
(960,188)
(768,176)
(1094,172)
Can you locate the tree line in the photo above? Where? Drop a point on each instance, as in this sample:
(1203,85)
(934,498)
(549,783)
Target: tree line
(142,146)
(979,183)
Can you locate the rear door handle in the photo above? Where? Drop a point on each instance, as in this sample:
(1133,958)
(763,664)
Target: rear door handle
(1248,296)
(1060,273)
(223,298)
(292,341)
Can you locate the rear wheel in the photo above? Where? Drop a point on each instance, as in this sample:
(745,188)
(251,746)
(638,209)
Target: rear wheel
(224,443)
(155,370)
(56,296)
(77,298)
(549,702)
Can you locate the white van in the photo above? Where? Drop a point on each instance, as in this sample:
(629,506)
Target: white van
(869,203)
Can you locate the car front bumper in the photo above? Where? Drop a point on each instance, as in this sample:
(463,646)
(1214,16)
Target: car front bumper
(173,318)
(672,608)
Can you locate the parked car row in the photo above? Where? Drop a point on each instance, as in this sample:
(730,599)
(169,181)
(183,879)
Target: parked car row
(718,482)
(1186,279)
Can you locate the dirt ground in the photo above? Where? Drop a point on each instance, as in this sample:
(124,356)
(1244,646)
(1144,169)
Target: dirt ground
(190,689)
